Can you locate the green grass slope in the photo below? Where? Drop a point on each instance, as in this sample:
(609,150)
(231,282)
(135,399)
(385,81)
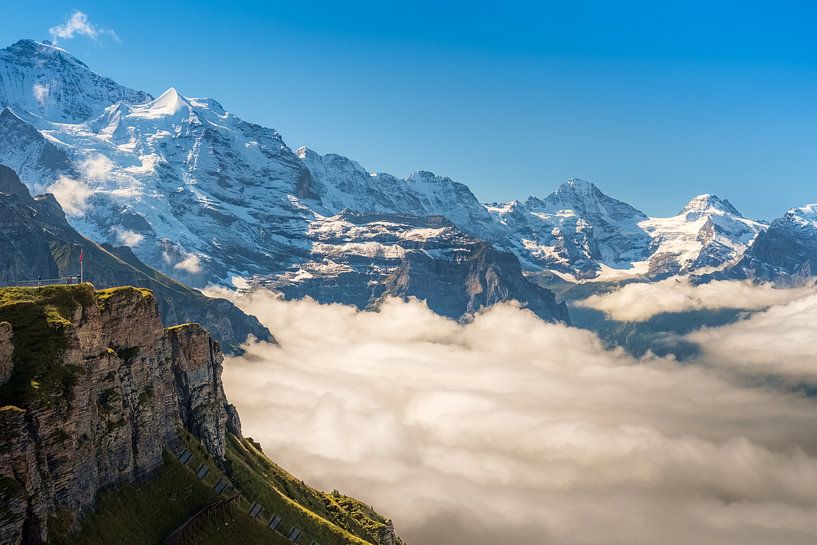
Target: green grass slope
(145,513)
(37,317)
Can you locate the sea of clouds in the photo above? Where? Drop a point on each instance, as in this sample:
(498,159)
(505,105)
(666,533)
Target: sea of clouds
(511,430)
(641,301)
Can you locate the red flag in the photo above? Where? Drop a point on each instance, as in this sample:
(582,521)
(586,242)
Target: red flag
(81,255)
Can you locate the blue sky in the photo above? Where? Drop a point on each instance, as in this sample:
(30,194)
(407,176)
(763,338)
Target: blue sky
(653,101)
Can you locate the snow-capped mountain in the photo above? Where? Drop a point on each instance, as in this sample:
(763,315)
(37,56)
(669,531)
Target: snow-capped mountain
(207,197)
(580,233)
(358,257)
(786,253)
(577,231)
(342,183)
(47,81)
(708,234)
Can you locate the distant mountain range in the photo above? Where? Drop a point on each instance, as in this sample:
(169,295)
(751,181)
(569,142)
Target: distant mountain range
(206,197)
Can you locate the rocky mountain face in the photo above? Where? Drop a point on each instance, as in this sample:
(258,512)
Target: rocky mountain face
(476,277)
(582,234)
(95,393)
(37,241)
(707,235)
(786,253)
(30,153)
(97,389)
(360,258)
(575,230)
(341,183)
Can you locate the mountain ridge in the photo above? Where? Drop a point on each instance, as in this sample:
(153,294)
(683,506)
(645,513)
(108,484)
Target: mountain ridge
(165,175)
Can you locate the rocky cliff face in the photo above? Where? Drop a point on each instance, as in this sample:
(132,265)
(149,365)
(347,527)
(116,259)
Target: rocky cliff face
(473,278)
(6,352)
(97,389)
(785,254)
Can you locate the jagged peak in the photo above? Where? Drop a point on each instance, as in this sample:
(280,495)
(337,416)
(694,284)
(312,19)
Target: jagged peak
(803,214)
(585,197)
(426,176)
(578,184)
(707,204)
(7,111)
(333,160)
(45,72)
(27,46)
(304,153)
(576,188)
(45,51)
(808,210)
(11,184)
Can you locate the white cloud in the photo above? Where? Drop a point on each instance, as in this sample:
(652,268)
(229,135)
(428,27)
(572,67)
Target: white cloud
(127,237)
(191,264)
(781,342)
(40,92)
(72,195)
(96,166)
(79,25)
(511,430)
(640,301)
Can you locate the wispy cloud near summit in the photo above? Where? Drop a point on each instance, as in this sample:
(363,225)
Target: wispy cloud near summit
(78,24)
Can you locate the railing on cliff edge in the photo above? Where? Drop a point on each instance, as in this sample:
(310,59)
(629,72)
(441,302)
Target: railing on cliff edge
(216,511)
(39,282)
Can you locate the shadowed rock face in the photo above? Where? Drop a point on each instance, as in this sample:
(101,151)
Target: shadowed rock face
(475,278)
(134,386)
(51,250)
(197,362)
(6,352)
(371,255)
(786,253)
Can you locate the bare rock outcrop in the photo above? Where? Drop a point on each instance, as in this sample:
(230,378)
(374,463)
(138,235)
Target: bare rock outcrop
(116,395)
(6,351)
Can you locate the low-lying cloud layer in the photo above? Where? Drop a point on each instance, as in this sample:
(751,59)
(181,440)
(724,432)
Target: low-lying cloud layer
(638,302)
(511,430)
(779,342)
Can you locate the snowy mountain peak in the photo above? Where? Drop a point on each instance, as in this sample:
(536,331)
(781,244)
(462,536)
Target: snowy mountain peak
(708,204)
(586,200)
(168,103)
(804,215)
(48,82)
(32,49)
(333,162)
(425,176)
(304,153)
(577,185)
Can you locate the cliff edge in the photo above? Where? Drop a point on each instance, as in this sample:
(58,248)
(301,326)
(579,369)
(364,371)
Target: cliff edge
(94,389)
